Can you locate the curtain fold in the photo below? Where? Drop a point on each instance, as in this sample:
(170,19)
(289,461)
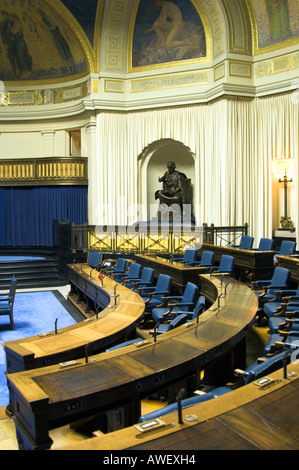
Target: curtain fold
(28,212)
(233,140)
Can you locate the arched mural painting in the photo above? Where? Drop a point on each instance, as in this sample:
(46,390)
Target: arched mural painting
(167,31)
(35,43)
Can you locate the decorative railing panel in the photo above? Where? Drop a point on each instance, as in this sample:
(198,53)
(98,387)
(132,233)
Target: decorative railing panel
(47,171)
(151,238)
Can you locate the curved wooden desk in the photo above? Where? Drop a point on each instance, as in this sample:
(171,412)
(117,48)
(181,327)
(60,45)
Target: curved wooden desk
(248,418)
(291,263)
(113,324)
(259,263)
(45,398)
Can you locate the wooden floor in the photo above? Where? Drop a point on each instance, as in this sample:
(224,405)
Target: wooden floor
(257,337)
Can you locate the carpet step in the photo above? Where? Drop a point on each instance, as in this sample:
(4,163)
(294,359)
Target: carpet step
(33,273)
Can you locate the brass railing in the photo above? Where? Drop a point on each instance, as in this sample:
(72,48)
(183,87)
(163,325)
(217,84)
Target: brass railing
(151,238)
(44,171)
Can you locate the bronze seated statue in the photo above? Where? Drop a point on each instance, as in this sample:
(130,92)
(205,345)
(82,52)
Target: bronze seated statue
(176,196)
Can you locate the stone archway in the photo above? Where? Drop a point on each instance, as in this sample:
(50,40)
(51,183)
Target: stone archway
(152,163)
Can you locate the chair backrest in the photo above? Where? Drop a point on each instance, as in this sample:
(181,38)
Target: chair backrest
(226,264)
(95,258)
(189,295)
(267,367)
(280,278)
(134,271)
(287,247)
(121,264)
(199,307)
(190,255)
(207,258)
(147,275)
(246,242)
(163,285)
(13,285)
(266,244)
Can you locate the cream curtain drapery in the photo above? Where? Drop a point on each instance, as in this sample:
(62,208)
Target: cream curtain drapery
(233,140)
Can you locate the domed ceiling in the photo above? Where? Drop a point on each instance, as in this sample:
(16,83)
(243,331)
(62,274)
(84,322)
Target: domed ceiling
(56,39)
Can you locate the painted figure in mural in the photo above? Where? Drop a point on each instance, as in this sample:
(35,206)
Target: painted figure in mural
(169,25)
(16,48)
(279,19)
(60,42)
(167,31)
(175,187)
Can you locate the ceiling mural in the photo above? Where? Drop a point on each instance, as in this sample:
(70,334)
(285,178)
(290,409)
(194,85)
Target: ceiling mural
(35,43)
(277,21)
(44,40)
(167,31)
(85,13)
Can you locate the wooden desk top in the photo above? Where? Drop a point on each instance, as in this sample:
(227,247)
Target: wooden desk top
(70,342)
(134,371)
(243,258)
(291,263)
(180,273)
(249,418)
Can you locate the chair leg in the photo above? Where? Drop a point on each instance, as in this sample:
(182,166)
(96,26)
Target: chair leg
(11,320)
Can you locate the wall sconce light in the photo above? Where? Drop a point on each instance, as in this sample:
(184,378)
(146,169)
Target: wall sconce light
(288,164)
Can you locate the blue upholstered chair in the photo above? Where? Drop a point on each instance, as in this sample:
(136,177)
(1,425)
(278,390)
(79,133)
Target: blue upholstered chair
(132,275)
(11,290)
(283,340)
(189,256)
(7,304)
(287,248)
(279,306)
(206,260)
(153,295)
(186,403)
(146,280)
(119,268)
(279,281)
(165,327)
(265,244)
(226,265)
(183,303)
(95,259)
(246,243)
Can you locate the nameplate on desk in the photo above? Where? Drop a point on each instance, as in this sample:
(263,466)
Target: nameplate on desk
(150,425)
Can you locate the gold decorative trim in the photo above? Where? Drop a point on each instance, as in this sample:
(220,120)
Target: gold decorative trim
(43,97)
(236,68)
(44,171)
(281,64)
(114,86)
(220,69)
(180,63)
(169,81)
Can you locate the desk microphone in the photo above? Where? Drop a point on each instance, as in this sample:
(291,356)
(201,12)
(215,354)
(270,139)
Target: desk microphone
(56,326)
(90,273)
(221,295)
(285,363)
(179,402)
(225,288)
(155,332)
(86,352)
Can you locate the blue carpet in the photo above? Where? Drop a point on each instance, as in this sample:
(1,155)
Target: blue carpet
(34,313)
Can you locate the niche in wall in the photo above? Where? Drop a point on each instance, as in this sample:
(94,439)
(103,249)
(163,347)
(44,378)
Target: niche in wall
(153,164)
